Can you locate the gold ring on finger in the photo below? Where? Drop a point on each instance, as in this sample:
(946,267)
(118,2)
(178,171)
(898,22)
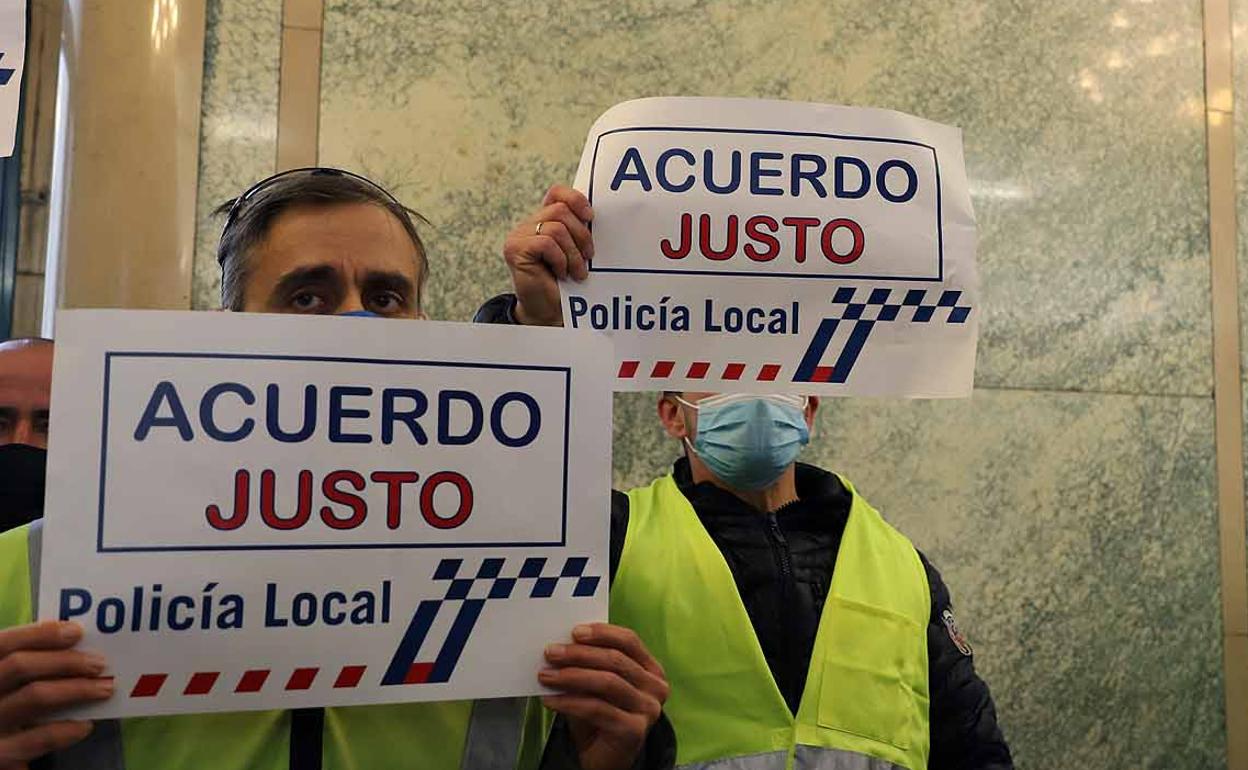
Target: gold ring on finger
(538,230)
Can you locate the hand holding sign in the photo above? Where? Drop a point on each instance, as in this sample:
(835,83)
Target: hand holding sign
(554,242)
(40,674)
(613,693)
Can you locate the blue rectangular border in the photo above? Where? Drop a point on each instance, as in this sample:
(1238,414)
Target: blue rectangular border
(108,361)
(940,219)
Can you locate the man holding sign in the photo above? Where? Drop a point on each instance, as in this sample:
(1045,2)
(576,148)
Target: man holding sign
(321,242)
(730,242)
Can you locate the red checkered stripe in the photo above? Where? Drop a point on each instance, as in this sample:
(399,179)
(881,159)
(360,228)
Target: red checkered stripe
(251,680)
(700,370)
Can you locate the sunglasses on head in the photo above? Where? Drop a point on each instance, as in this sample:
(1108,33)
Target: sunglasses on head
(241,201)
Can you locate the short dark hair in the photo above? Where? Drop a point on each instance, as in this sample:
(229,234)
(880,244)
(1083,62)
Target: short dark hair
(250,216)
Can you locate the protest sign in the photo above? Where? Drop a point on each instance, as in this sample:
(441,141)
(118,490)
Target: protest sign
(12,55)
(250,511)
(762,246)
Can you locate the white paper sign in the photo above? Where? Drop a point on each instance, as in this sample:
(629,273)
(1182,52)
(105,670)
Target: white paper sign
(12,55)
(250,511)
(745,245)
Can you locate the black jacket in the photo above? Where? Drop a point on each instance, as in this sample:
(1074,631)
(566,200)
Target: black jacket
(782,563)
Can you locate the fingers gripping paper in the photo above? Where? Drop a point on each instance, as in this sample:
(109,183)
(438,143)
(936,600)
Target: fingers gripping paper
(764,246)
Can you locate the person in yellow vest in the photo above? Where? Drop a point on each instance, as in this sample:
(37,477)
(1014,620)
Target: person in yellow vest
(796,627)
(322,241)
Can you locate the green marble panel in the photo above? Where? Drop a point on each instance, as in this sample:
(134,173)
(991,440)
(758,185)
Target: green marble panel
(238,125)
(1083,124)
(1239,10)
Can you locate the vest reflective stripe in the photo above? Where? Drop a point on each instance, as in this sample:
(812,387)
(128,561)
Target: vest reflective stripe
(814,758)
(805,758)
(866,687)
(494,733)
(772,760)
(34,557)
(423,734)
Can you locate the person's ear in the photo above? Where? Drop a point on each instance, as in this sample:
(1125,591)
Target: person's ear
(812,406)
(672,417)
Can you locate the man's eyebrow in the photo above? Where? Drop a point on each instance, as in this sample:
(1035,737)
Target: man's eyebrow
(384,279)
(304,275)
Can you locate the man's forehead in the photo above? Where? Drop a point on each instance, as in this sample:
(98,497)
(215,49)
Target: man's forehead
(25,374)
(694,396)
(31,358)
(361,229)
(359,270)
(38,344)
(314,243)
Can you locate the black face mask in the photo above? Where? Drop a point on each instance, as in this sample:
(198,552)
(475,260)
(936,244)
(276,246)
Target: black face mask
(22,472)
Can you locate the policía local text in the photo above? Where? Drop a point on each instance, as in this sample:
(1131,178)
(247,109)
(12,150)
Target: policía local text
(148,608)
(623,313)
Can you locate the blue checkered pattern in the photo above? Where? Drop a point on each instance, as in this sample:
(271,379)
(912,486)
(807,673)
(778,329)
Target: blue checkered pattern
(542,586)
(888,304)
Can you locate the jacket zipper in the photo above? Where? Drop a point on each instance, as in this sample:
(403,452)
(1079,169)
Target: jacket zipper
(780,546)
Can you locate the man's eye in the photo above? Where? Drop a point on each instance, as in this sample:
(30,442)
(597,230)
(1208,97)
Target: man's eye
(306,301)
(387,301)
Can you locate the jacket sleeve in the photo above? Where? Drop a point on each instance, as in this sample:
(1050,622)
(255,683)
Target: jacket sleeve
(964,730)
(497,310)
(659,753)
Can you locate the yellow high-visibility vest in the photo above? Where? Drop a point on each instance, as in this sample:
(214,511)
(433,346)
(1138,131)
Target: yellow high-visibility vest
(865,703)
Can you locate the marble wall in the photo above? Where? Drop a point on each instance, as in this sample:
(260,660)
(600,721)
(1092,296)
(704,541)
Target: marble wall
(1071,503)
(238,130)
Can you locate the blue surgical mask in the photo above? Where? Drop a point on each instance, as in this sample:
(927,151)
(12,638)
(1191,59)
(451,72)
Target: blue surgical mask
(748,441)
(361,314)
